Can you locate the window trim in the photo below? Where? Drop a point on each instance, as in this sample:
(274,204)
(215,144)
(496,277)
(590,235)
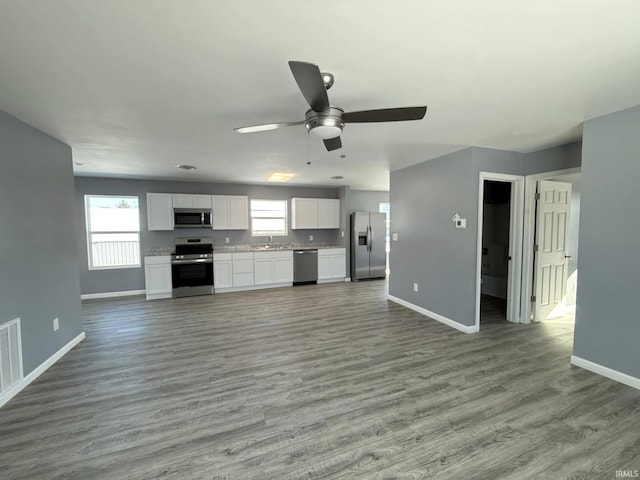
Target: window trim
(285,217)
(88,233)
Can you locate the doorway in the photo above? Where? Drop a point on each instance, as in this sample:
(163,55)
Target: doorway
(499,247)
(495,251)
(550,263)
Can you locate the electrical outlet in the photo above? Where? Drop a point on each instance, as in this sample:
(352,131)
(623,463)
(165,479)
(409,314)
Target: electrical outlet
(415,287)
(311,238)
(56,324)
(226,239)
(342,234)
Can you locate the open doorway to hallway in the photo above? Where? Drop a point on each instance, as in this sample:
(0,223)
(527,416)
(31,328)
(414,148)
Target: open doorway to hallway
(499,259)
(495,251)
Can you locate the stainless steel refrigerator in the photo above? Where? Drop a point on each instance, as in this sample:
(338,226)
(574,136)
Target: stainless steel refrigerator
(368,252)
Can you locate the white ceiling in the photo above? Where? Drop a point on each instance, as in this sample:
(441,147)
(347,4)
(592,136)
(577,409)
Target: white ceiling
(137,86)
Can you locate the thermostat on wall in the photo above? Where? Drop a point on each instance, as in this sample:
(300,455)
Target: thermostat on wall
(461,223)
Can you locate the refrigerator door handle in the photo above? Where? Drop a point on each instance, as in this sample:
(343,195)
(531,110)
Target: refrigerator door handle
(369,238)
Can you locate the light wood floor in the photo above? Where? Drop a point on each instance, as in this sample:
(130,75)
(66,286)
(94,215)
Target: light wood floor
(329,381)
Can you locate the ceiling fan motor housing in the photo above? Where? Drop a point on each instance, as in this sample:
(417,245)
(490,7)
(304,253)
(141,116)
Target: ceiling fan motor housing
(324,125)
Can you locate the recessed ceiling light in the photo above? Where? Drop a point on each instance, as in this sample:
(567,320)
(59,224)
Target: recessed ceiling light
(186,167)
(280,177)
(337,177)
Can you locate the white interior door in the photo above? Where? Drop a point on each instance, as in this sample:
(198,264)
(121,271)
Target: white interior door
(551,258)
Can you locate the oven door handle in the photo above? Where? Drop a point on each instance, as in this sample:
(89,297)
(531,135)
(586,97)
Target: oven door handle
(186,262)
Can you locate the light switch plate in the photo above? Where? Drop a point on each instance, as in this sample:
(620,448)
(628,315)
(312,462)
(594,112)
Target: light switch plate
(394,237)
(461,223)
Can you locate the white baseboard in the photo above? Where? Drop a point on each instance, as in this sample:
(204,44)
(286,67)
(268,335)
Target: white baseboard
(606,372)
(158,296)
(435,316)
(126,293)
(39,370)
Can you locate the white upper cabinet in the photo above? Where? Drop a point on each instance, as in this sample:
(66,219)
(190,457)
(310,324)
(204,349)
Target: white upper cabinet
(238,212)
(159,211)
(315,213)
(185,200)
(304,213)
(328,213)
(230,212)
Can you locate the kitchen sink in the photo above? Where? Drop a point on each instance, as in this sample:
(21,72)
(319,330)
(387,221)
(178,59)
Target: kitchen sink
(268,247)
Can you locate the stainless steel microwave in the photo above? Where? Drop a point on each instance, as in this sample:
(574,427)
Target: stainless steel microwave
(191,218)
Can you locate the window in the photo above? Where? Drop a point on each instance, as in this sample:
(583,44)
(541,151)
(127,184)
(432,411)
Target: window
(385,207)
(113,231)
(268,217)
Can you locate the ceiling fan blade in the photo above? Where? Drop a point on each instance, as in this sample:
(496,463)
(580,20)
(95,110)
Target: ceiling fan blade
(309,80)
(385,115)
(332,143)
(266,126)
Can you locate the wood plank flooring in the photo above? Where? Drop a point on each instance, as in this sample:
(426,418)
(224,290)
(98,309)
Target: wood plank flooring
(329,381)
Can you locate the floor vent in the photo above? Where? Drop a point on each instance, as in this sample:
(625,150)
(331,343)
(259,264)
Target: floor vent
(10,355)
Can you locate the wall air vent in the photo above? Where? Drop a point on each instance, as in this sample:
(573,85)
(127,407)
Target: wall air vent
(10,355)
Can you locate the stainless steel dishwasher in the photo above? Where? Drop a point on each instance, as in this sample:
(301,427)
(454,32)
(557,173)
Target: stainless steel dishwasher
(305,267)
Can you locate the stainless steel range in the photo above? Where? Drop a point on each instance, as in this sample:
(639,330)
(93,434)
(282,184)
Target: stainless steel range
(192,267)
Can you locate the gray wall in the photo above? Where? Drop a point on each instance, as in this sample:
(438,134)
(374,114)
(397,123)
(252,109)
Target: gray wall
(366,200)
(430,251)
(552,159)
(607,328)
(114,280)
(38,247)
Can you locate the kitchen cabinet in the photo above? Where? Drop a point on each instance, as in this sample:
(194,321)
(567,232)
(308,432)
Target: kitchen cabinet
(315,213)
(159,211)
(230,212)
(243,269)
(222,270)
(304,213)
(272,268)
(184,200)
(332,264)
(157,277)
(328,213)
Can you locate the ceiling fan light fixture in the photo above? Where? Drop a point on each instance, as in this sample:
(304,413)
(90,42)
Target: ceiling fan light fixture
(324,125)
(325,131)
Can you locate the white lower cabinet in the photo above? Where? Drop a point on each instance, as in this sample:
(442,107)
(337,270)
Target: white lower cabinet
(157,277)
(332,264)
(272,268)
(243,275)
(222,270)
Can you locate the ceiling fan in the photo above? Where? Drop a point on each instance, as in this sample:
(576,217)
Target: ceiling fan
(325,121)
